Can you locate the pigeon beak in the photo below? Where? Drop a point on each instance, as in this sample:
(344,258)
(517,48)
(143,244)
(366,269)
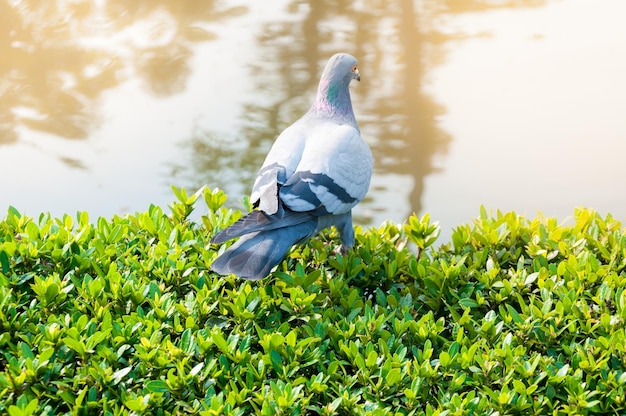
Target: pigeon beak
(356,75)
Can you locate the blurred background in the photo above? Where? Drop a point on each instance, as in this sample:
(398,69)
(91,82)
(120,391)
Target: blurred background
(514,104)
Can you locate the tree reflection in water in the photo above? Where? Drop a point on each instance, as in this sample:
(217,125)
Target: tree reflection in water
(396,44)
(57,59)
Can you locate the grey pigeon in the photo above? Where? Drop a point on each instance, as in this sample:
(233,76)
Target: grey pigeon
(318,169)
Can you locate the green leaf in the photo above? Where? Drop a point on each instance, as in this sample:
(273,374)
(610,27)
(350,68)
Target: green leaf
(76,345)
(196,369)
(277,362)
(68,397)
(157,386)
(97,338)
(186,340)
(516,317)
(531,278)
(15,411)
(120,374)
(371,359)
(444,359)
(393,377)
(25,350)
(14,212)
(468,303)
(45,355)
(220,342)
(5,262)
(81,397)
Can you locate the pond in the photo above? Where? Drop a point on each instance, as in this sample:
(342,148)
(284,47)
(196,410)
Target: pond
(515,105)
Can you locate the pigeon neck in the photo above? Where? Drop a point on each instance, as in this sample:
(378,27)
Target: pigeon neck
(333,100)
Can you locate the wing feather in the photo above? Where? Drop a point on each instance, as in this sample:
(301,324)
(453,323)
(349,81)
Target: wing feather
(334,171)
(280,163)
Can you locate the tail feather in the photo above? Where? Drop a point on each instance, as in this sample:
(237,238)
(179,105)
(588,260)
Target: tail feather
(259,221)
(254,255)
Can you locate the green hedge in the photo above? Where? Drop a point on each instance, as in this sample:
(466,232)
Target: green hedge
(123,316)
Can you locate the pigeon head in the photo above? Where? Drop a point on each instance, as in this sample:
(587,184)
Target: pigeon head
(341,67)
(333,94)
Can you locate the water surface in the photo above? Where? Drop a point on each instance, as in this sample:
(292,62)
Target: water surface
(517,105)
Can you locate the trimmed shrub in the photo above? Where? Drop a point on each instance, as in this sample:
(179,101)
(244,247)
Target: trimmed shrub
(123,316)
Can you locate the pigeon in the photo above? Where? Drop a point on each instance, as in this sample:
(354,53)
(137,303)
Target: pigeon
(317,170)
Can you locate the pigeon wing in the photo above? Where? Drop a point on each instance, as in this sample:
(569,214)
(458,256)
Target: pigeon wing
(280,163)
(334,172)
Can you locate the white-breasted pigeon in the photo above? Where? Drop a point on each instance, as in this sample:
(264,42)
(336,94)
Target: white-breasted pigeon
(318,169)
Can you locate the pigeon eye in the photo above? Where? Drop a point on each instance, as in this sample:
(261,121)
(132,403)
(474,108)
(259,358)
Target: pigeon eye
(354,68)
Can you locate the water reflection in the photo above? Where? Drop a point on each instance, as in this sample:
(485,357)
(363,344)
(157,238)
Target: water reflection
(62,61)
(57,58)
(396,44)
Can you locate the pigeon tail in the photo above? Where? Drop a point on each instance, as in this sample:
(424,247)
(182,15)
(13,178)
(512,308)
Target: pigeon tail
(254,255)
(260,221)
